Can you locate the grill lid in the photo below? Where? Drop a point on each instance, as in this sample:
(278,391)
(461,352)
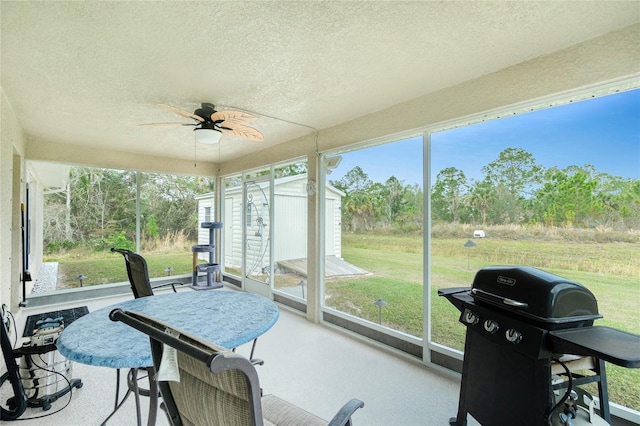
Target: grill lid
(535,294)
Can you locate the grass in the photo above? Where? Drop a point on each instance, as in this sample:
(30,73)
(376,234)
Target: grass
(107,267)
(609,269)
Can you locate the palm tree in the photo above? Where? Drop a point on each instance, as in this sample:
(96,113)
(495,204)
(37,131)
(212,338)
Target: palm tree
(481,196)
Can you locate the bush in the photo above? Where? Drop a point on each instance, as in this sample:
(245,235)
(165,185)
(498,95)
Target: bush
(120,241)
(60,246)
(151,229)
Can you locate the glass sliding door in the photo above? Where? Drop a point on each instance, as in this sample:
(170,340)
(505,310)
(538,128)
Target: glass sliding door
(257,234)
(232,224)
(266,229)
(290,199)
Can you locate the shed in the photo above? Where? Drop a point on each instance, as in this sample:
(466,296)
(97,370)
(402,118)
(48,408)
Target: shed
(289,221)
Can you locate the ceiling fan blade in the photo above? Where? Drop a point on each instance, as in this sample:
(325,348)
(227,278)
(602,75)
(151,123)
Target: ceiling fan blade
(169,124)
(239,116)
(233,123)
(244,132)
(181,112)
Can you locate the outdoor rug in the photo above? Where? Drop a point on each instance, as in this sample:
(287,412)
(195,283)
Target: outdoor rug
(67,315)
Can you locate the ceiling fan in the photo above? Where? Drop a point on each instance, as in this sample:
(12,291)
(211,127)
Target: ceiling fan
(210,124)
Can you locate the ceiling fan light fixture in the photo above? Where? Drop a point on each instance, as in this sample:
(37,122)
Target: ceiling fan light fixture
(208,136)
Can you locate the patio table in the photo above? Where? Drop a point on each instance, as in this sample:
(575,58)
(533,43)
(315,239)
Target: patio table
(225,317)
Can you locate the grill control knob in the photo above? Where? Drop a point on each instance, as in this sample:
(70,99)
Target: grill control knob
(513,336)
(470,318)
(491,326)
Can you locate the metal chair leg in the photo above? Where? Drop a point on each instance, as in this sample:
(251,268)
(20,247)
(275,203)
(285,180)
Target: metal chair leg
(133,382)
(255,361)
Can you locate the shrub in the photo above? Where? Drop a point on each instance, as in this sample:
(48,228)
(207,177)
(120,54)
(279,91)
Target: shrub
(119,240)
(60,246)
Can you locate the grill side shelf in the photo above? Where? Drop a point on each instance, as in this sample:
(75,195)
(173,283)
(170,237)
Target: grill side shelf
(615,346)
(456,295)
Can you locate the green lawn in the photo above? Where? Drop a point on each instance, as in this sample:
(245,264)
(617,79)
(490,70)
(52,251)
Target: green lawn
(609,270)
(107,267)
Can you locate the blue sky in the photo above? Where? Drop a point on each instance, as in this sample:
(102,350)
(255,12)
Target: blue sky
(603,132)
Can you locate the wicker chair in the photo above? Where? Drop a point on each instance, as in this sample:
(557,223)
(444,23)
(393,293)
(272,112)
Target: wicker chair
(217,386)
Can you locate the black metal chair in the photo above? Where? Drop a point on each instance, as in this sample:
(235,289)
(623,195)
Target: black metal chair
(216,386)
(17,404)
(138,273)
(141,286)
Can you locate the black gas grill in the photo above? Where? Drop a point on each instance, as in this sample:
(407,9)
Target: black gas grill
(519,319)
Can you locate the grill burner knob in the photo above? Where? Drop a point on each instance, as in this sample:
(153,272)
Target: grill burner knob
(470,317)
(513,336)
(491,326)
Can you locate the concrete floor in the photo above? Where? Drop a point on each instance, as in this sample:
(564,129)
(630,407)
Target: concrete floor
(313,366)
(316,367)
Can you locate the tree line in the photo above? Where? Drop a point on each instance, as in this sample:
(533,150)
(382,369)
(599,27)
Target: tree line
(514,189)
(98,208)
(367,205)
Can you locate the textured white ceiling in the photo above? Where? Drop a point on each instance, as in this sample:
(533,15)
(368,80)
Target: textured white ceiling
(89,73)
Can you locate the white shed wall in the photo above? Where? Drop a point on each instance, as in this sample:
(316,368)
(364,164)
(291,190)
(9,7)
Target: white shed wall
(289,222)
(203,204)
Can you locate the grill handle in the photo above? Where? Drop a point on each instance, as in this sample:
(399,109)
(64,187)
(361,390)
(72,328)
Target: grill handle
(490,297)
(515,303)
